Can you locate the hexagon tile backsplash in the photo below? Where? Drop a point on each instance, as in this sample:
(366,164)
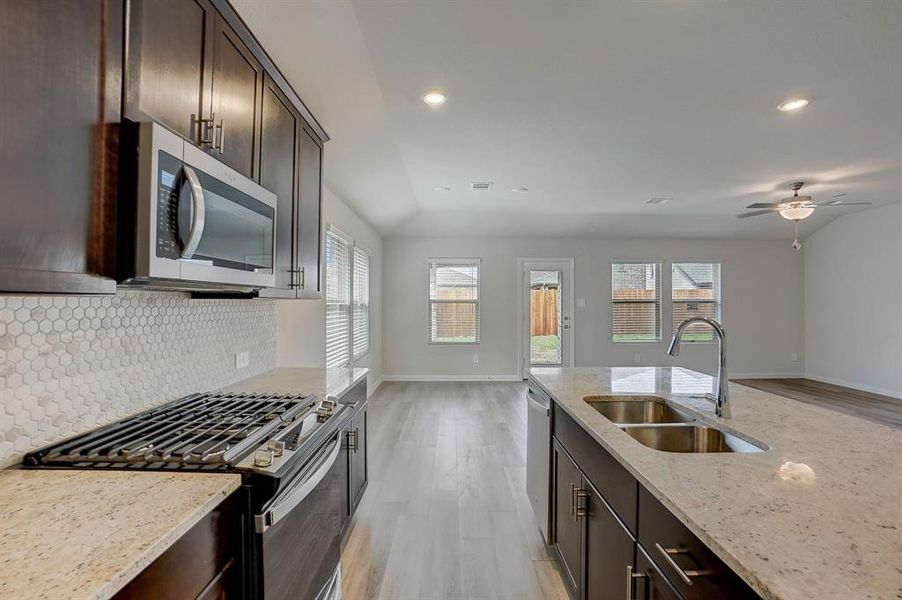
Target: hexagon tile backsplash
(70,364)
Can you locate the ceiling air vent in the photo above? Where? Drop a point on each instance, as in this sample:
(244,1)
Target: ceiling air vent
(481,186)
(658,200)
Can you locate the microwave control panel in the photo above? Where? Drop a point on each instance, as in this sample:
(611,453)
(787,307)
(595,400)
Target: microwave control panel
(168,183)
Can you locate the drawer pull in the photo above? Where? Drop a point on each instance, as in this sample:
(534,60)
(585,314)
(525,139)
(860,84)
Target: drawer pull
(577,507)
(629,581)
(668,553)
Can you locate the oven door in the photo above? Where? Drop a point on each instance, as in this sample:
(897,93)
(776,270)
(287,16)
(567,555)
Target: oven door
(298,531)
(205,222)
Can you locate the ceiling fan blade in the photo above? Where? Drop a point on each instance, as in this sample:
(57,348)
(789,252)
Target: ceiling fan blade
(756,213)
(840,203)
(765,204)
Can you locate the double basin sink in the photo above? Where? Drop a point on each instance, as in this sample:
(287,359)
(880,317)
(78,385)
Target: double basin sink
(654,423)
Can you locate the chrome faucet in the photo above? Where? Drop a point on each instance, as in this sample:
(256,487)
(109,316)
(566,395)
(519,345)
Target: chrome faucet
(722,399)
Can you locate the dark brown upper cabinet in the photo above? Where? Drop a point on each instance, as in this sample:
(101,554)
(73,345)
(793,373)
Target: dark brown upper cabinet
(170,46)
(310,214)
(237,89)
(192,66)
(57,212)
(279,172)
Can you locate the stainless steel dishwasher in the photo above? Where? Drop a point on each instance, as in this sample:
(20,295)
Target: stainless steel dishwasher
(538,454)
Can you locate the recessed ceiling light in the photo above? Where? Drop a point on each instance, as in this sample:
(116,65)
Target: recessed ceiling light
(520,190)
(794,104)
(442,188)
(435,97)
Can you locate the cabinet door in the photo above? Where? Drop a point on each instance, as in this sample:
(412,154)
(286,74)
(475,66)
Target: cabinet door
(568,526)
(608,550)
(237,89)
(309,214)
(53,208)
(169,63)
(278,173)
(357,456)
(650,583)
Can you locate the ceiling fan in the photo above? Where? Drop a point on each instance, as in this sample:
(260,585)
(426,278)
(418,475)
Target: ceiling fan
(795,208)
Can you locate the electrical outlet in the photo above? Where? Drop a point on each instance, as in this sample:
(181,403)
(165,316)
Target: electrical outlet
(475,359)
(242,359)
(637,358)
(795,357)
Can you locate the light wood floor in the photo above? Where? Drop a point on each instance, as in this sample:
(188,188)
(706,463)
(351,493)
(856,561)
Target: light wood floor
(874,407)
(446,513)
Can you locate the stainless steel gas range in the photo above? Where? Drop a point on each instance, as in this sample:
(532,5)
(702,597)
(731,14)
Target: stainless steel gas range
(285,447)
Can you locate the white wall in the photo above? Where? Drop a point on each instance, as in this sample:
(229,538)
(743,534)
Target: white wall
(853,301)
(302,324)
(762,305)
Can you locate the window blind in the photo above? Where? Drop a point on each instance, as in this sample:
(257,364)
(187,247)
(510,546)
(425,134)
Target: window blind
(338,300)
(695,292)
(636,302)
(454,301)
(360,316)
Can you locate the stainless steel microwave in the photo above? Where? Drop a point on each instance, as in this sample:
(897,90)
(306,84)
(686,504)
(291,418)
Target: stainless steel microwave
(199,224)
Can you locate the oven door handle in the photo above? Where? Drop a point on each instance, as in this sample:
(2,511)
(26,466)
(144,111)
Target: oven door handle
(282,507)
(198,213)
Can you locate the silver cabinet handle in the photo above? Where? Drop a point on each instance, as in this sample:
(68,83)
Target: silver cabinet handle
(198,213)
(668,553)
(291,283)
(356,435)
(629,581)
(300,491)
(221,128)
(205,131)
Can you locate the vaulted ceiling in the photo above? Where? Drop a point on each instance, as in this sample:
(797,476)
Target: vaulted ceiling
(595,107)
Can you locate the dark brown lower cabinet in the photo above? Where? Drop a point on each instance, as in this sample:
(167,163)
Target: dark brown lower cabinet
(357,478)
(609,549)
(205,563)
(568,537)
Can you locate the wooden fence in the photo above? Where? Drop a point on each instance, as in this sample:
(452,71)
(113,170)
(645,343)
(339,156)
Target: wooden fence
(544,310)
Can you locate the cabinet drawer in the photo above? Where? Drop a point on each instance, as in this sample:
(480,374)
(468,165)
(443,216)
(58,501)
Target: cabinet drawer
(679,555)
(615,484)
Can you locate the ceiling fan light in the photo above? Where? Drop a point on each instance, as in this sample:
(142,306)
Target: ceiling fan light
(796,213)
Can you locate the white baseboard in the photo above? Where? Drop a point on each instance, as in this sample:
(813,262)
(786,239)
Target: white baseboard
(425,378)
(766,375)
(895,394)
(372,390)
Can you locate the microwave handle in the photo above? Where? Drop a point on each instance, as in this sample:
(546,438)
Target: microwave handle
(198,213)
(301,491)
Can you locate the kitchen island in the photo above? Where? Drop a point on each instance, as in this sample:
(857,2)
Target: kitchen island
(833,533)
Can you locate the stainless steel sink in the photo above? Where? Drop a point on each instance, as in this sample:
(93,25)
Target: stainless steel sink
(636,410)
(689,438)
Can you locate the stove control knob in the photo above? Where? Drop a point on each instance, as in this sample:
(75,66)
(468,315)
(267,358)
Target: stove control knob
(263,458)
(276,446)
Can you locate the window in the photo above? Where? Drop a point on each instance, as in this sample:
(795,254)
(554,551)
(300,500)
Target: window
(338,300)
(695,292)
(454,301)
(636,302)
(347,300)
(360,315)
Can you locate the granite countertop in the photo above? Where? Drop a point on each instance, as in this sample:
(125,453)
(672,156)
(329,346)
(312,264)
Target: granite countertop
(85,534)
(836,535)
(325,383)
